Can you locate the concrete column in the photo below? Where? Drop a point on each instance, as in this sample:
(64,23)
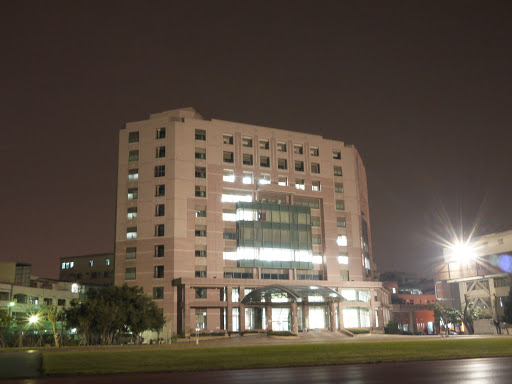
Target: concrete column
(242,317)
(295,322)
(332,317)
(187,296)
(340,315)
(305,314)
(229,313)
(268,311)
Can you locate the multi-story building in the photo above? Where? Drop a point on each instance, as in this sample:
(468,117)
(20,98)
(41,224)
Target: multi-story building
(477,273)
(231,226)
(96,269)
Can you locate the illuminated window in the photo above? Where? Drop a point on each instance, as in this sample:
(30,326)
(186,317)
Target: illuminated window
(342,240)
(200,211)
(343,258)
(315,186)
(299,184)
(264,179)
(133,193)
(133,174)
(228,176)
(282,181)
(235,294)
(131,233)
(229,215)
(132,213)
(247,178)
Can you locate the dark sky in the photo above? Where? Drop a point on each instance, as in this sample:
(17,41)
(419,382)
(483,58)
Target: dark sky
(422,89)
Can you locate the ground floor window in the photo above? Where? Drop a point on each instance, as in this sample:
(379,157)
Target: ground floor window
(318,317)
(255,318)
(354,317)
(281,319)
(201,319)
(235,312)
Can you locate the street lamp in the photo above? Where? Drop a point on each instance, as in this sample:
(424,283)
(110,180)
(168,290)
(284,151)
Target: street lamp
(33,319)
(462,252)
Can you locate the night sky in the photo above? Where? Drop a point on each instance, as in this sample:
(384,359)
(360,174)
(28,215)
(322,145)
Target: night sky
(422,89)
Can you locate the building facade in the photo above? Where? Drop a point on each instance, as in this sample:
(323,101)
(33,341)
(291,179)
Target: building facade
(209,211)
(482,278)
(96,269)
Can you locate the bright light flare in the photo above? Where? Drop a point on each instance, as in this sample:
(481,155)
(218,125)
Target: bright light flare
(462,252)
(33,319)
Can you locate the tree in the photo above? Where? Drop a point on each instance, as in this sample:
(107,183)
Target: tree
(5,324)
(106,313)
(52,314)
(444,316)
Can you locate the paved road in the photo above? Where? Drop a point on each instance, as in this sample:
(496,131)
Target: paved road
(20,364)
(496,370)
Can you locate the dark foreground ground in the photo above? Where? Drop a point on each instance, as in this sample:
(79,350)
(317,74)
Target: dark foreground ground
(496,370)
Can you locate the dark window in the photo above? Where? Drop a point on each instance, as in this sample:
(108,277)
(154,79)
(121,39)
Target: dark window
(159,170)
(228,157)
(201,172)
(338,171)
(264,161)
(160,133)
(340,205)
(315,168)
(247,159)
(159,230)
(94,275)
(336,154)
(62,302)
(200,134)
(48,301)
(133,137)
(299,166)
(200,271)
(200,252)
(160,190)
(298,149)
(227,139)
(247,142)
(313,151)
(282,164)
(200,154)
(160,152)
(158,293)
(159,272)
(229,235)
(200,293)
(159,250)
(160,210)
(200,191)
(264,144)
(130,273)
(133,156)
(200,232)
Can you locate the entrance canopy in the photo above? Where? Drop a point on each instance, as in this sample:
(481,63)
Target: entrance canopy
(274,294)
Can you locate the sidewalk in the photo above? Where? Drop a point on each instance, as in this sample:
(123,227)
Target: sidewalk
(25,364)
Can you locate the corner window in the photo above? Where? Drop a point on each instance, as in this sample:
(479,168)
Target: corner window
(133,137)
(200,135)
(227,139)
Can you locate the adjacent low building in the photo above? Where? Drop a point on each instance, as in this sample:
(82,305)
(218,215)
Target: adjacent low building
(95,269)
(477,273)
(231,226)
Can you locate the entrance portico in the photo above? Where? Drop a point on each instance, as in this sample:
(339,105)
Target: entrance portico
(293,308)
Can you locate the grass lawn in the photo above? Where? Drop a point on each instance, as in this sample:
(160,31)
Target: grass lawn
(171,359)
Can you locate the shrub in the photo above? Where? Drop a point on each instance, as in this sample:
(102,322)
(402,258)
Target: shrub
(392,328)
(280,333)
(357,331)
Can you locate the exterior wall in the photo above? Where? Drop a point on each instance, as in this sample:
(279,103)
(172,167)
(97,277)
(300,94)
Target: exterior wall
(79,269)
(180,221)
